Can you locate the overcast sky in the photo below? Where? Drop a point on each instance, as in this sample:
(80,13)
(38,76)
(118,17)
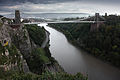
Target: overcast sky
(60,6)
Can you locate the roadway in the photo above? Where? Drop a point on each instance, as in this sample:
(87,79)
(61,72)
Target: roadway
(46,39)
(67,22)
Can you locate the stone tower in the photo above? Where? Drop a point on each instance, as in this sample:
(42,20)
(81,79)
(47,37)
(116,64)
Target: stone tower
(95,26)
(96,17)
(105,14)
(17,17)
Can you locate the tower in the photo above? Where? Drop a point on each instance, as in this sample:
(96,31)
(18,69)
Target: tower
(105,14)
(95,26)
(17,17)
(97,19)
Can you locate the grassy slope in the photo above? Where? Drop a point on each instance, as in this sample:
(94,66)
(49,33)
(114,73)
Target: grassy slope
(41,52)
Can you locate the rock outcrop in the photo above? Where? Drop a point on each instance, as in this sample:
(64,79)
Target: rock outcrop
(20,38)
(10,56)
(4,35)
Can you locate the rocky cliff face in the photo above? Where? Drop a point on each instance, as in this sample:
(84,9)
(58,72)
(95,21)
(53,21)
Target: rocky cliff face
(13,42)
(4,35)
(21,39)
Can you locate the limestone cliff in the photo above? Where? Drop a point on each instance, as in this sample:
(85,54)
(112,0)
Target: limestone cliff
(10,56)
(20,38)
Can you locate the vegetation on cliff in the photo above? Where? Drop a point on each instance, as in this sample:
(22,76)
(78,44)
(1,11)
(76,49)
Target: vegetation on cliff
(9,56)
(39,57)
(104,43)
(42,56)
(36,60)
(36,33)
(44,76)
(49,76)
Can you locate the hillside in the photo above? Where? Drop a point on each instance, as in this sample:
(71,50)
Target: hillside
(11,58)
(103,43)
(22,58)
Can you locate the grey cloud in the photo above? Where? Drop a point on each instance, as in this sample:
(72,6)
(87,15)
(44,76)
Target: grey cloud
(88,6)
(16,2)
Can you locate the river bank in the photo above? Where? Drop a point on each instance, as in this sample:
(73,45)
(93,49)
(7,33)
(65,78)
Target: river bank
(42,49)
(75,60)
(98,43)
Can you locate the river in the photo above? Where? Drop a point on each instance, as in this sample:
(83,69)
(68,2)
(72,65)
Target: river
(75,60)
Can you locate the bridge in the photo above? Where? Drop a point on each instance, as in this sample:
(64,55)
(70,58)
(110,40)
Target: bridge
(95,21)
(66,22)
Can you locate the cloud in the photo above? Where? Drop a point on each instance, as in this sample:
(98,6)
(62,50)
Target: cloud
(16,2)
(59,6)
